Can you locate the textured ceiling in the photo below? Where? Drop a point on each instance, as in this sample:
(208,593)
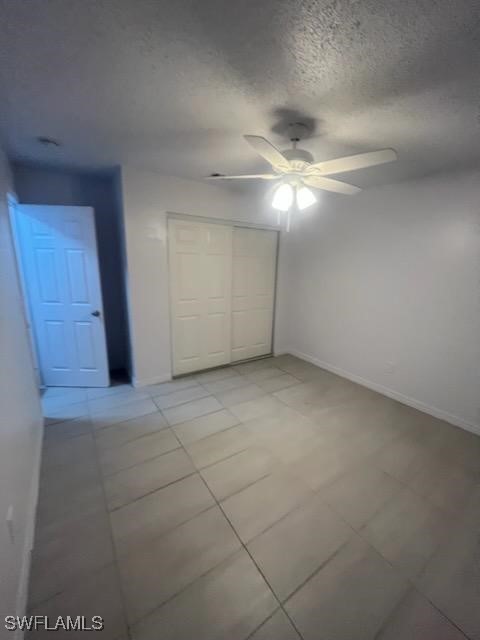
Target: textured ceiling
(173,85)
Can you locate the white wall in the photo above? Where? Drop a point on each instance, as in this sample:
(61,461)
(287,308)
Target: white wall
(384,287)
(20,426)
(44,185)
(147,198)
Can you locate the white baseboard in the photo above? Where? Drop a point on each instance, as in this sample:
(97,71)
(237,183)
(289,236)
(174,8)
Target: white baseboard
(144,382)
(22,593)
(390,393)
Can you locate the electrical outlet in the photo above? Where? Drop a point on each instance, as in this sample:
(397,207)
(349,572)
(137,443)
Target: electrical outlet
(9,520)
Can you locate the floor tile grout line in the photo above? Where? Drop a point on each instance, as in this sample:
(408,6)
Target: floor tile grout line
(280,608)
(136,464)
(171,597)
(238,375)
(318,569)
(68,588)
(52,422)
(209,434)
(404,577)
(112,424)
(408,580)
(443,614)
(114,447)
(212,464)
(54,440)
(114,550)
(406,486)
(149,493)
(162,395)
(171,529)
(132,400)
(180,404)
(392,612)
(250,635)
(391,615)
(200,416)
(247,486)
(283,517)
(145,435)
(243,545)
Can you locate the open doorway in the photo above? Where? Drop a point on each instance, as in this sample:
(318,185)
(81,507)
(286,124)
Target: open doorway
(68,231)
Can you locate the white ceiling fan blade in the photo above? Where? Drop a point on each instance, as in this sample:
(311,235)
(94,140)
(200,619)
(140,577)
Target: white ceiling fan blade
(253,176)
(352,163)
(327,184)
(271,154)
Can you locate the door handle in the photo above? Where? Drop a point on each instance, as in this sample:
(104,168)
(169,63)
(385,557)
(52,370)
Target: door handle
(96,313)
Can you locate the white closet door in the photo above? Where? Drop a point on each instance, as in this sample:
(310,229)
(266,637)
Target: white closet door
(200,257)
(253,292)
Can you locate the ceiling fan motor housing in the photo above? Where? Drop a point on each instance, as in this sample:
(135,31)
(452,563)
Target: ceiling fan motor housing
(299,158)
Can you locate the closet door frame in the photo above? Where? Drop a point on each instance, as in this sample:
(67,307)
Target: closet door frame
(233,224)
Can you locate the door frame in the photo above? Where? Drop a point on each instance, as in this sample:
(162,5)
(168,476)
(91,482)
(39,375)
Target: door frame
(173,215)
(12,204)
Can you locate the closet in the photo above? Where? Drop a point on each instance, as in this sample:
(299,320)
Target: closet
(222,293)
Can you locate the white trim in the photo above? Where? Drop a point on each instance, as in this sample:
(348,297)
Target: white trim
(281,351)
(23,584)
(225,221)
(12,206)
(390,393)
(144,382)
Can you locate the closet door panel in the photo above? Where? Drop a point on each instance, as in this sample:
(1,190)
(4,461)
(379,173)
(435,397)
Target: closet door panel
(240,335)
(200,257)
(186,302)
(253,292)
(218,288)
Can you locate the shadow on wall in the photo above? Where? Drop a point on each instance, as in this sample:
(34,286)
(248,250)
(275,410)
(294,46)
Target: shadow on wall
(41,185)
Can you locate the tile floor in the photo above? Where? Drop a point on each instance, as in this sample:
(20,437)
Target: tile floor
(270,500)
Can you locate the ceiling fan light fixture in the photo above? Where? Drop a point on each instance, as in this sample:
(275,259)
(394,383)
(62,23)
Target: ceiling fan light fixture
(283,197)
(305,198)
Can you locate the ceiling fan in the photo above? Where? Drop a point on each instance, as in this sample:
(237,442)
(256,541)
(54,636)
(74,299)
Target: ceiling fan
(297,171)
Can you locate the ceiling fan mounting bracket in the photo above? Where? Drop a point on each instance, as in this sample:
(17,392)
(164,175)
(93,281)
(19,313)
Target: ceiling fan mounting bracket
(297,131)
(301,155)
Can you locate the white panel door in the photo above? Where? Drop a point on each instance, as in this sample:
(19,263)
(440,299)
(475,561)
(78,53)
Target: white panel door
(253,292)
(59,255)
(200,257)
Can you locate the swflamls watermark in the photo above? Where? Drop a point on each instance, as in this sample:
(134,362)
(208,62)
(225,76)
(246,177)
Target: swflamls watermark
(64,623)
